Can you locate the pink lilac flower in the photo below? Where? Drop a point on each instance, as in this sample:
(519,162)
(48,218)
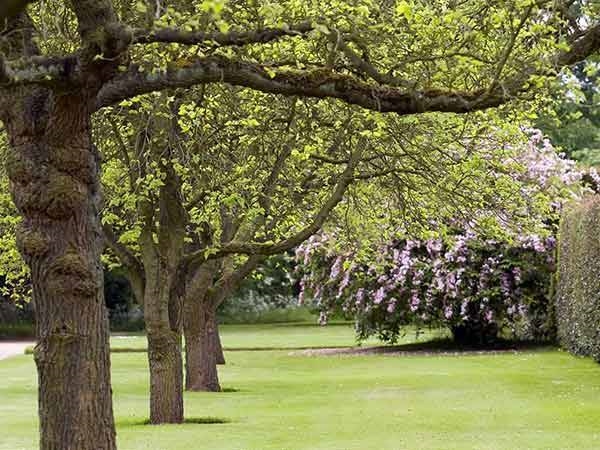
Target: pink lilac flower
(360,296)
(318,292)
(379,296)
(391,306)
(434,246)
(523,310)
(336,268)
(448,312)
(344,283)
(505,284)
(517,274)
(593,173)
(415,301)
(463,309)
(302,292)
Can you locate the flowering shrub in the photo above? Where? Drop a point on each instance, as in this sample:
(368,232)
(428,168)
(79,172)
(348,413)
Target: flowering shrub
(475,287)
(475,284)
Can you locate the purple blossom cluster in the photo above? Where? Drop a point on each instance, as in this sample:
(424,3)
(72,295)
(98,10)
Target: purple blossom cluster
(545,166)
(468,280)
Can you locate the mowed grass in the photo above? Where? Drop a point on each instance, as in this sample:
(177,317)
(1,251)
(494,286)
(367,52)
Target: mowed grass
(545,399)
(278,336)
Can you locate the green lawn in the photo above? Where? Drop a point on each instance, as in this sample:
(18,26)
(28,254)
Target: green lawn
(275,336)
(531,400)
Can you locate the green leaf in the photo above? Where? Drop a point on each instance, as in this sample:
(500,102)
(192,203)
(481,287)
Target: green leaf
(403,8)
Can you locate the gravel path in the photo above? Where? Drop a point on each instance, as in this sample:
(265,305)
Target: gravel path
(8,349)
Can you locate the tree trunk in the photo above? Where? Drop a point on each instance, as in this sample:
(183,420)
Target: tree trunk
(201,347)
(166,377)
(164,287)
(162,312)
(218,345)
(54,173)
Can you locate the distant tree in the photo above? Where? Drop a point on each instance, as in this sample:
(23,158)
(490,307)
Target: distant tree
(572,121)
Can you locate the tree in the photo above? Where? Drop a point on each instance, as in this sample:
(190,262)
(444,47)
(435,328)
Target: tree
(235,182)
(573,120)
(53,82)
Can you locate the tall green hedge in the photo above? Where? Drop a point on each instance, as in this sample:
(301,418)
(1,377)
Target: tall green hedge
(578,284)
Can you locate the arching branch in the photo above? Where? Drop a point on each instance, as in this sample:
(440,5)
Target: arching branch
(320,83)
(233,38)
(324,83)
(125,255)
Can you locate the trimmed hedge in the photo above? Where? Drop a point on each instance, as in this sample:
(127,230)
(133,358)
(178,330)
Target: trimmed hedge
(578,284)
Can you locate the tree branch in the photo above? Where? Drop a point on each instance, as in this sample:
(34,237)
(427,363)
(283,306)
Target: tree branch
(124,152)
(258,248)
(581,47)
(319,83)
(93,15)
(323,83)
(509,47)
(233,38)
(231,281)
(361,64)
(381,173)
(101,32)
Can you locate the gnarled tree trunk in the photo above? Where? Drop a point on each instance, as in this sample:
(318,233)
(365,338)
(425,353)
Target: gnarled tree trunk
(54,173)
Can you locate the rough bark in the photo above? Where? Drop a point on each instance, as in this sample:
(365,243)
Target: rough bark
(163,324)
(54,175)
(166,377)
(201,347)
(200,375)
(192,329)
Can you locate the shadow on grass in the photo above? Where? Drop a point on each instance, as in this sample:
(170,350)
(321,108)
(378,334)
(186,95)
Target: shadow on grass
(447,344)
(442,346)
(227,390)
(186,421)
